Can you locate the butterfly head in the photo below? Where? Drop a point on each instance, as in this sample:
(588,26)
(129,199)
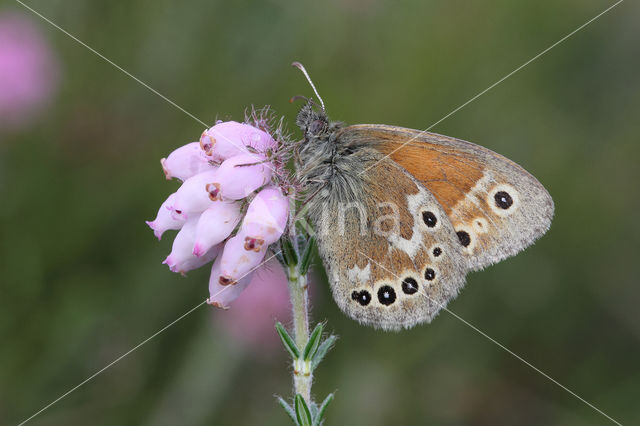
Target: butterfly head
(315,124)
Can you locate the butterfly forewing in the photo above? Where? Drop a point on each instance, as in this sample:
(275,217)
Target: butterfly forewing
(496,207)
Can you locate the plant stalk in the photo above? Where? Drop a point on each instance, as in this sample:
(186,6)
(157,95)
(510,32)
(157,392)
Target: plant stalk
(302,377)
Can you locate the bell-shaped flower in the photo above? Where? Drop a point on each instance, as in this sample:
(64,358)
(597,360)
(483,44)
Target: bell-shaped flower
(230,162)
(238,259)
(165,220)
(266,217)
(230,138)
(181,259)
(221,295)
(192,197)
(239,176)
(185,162)
(215,224)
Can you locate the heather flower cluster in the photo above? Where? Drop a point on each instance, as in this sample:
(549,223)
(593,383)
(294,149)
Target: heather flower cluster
(230,207)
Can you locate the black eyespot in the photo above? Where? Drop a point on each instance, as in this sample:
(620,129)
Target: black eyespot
(409,285)
(429,219)
(464,238)
(362,297)
(437,252)
(429,274)
(503,199)
(386,295)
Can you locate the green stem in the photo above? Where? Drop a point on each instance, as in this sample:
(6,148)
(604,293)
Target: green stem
(302,377)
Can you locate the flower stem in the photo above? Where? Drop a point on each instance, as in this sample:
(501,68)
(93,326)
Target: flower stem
(302,377)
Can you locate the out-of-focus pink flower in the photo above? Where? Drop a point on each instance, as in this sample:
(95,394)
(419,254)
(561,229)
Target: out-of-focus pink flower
(230,138)
(250,319)
(28,70)
(239,176)
(185,162)
(212,200)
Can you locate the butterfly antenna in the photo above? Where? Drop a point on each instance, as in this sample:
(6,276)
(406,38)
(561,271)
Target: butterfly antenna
(306,74)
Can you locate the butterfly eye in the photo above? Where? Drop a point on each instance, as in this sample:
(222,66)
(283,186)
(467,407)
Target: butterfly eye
(362,297)
(503,199)
(429,274)
(409,285)
(386,295)
(429,219)
(316,126)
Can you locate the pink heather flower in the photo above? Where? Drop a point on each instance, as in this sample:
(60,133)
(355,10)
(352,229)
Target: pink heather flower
(266,217)
(239,176)
(185,162)
(28,70)
(193,196)
(238,259)
(165,220)
(221,295)
(227,139)
(181,259)
(215,225)
(214,198)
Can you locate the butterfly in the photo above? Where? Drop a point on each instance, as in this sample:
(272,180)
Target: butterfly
(401,215)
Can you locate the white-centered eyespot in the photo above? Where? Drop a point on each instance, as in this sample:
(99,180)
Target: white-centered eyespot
(503,199)
(429,219)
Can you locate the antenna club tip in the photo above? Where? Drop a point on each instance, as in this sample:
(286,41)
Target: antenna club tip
(297,64)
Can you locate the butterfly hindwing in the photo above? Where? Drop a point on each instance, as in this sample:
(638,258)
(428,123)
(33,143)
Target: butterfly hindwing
(394,260)
(496,207)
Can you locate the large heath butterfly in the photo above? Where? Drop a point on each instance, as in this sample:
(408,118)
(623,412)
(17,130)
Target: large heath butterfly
(400,214)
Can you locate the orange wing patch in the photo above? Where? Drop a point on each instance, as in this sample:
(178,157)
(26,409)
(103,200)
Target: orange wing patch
(447,174)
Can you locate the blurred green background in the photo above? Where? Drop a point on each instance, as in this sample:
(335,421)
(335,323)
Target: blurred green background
(81,276)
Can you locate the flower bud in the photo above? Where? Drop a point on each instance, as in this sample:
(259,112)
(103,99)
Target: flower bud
(230,138)
(220,295)
(239,176)
(237,261)
(165,220)
(192,196)
(215,224)
(266,216)
(185,162)
(181,259)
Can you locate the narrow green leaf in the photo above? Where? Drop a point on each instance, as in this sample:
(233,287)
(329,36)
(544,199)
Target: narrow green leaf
(287,408)
(287,341)
(289,252)
(314,341)
(302,412)
(306,256)
(317,421)
(301,239)
(313,407)
(322,351)
(281,259)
